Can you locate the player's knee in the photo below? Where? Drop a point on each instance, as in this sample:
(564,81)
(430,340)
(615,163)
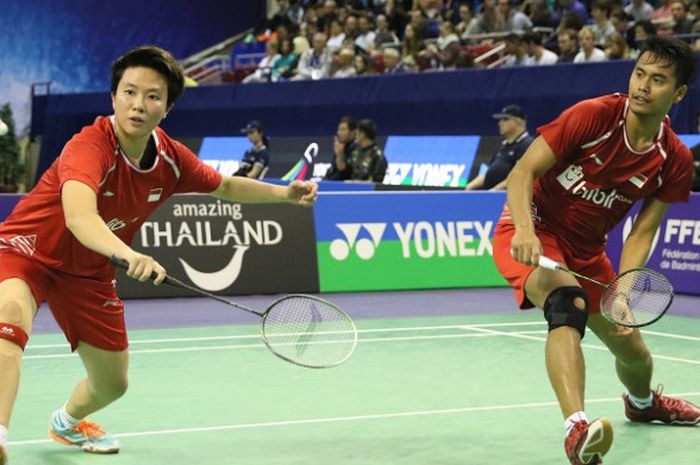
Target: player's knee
(115,388)
(12,324)
(567,306)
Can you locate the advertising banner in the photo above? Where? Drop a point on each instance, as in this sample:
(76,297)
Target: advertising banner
(676,248)
(406,240)
(228,248)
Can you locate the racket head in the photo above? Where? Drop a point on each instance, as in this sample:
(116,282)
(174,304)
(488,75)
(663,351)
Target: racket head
(309,331)
(636,298)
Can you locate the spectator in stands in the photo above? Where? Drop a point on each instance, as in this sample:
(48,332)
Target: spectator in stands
(487,20)
(567,40)
(641,31)
(284,66)
(326,14)
(602,27)
(411,47)
(383,35)
(345,67)
(515,52)
(681,23)
(639,10)
(448,35)
(336,36)
(662,13)
(256,160)
(512,125)
(395,12)
(589,52)
(343,146)
(351,31)
(315,62)
(362,64)
(368,162)
(617,48)
(533,47)
(512,20)
(392,61)
(365,39)
(301,44)
(562,7)
(263,72)
(540,14)
(621,23)
(467,22)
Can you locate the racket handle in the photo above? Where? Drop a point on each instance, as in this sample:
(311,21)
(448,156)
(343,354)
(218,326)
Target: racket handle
(124,265)
(548,263)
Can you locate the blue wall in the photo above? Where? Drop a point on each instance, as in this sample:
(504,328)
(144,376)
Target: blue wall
(459,102)
(73,42)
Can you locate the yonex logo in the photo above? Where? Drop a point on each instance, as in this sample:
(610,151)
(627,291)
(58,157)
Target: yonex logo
(7,330)
(364,247)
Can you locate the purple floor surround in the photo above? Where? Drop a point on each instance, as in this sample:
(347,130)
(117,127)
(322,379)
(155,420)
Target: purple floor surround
(186,312)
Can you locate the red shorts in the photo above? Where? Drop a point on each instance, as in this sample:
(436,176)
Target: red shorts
(597,267)
(86,309)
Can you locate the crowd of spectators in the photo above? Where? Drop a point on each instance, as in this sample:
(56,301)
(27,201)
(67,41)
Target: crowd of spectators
(315,39)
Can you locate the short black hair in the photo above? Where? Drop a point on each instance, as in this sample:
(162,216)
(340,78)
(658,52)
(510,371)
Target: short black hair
(368,128)
(532,38)
(677,53)
(156,58)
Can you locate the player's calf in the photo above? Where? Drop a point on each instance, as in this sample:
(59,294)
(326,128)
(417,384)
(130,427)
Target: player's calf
(561,309)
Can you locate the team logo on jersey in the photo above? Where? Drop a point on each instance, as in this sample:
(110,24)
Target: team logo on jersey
(639,180)
(570,176)
(572,180)
(115,224)
(24,244)
(154,194)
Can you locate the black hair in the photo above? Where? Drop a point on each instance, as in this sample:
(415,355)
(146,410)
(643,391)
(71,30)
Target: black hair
(350,121)
(150,56)
(673,51)
(368,128)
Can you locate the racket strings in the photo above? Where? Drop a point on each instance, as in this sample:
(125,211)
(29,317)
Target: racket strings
(309,331)
(637,297)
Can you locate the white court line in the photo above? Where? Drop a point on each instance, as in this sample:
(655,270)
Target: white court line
(257,346)
(257,336)
(588,346)
(376,416)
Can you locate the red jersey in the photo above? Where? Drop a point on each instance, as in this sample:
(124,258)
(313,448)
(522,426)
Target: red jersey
(126,196)
(598,176)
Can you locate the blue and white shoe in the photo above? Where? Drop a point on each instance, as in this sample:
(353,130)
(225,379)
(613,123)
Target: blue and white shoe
(87,435)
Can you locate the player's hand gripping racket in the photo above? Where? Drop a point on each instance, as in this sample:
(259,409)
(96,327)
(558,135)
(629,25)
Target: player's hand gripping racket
(301,329)
(635,298)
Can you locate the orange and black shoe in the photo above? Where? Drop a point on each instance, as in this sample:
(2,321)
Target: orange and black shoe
(587,443)
(664,409)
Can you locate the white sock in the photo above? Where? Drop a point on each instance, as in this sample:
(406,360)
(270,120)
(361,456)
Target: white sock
(641,403)
(3,435)
(66,420)
(573,418)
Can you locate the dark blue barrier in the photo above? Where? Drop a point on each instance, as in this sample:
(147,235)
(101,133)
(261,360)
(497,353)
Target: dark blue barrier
(458,102)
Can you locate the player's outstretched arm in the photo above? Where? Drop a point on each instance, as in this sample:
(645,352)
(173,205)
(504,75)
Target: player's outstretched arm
(538,159)
(240,189)
(80,212)
(635,250)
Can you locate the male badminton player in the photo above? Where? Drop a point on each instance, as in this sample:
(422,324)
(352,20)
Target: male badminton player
(56,244)
(577,180)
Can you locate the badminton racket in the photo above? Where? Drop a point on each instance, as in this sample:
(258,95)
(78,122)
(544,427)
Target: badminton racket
(302,329)
(635,298)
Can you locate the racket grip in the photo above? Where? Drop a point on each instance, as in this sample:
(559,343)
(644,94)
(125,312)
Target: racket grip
(548,263)
(124,265)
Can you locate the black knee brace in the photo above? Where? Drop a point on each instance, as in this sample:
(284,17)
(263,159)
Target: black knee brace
(560,309)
